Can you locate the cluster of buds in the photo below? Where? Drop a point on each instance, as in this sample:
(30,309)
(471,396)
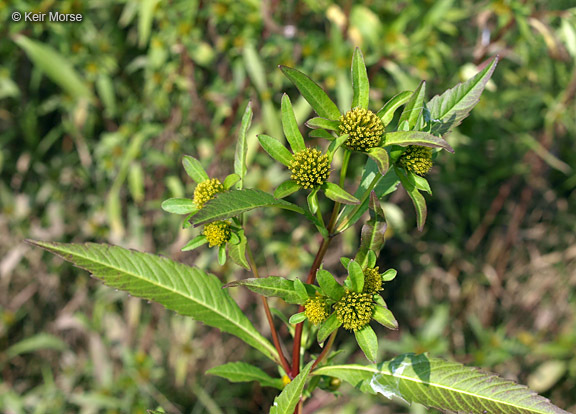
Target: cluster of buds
(310,168)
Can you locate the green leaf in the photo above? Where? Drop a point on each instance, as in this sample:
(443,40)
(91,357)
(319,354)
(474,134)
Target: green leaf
(237,252)
(321,133)
(230,180)
(145,20)
(275,286)
(179,206)
(380,156)
(335,192)
(313,93)
(286,188)
(297,318)
(290,126)
(301,291)
(195,242)
(386,114)
(327,327)
(275,148)
(421,183)
(417,199)
(312,200)
(183,289)
(329,285)
(414,107)
(355,279)
(322,123)
(243,372)
(335,144)
(345,261)
(242,146)
(372,238)
(368,342)
(38,342)
(286,402)
(448,386)
(449,109)
(222,254)
(255,68)
(360,82)
(389,275)
(194,169)
(384,316)
(55,66)
(405,138)
(232,203)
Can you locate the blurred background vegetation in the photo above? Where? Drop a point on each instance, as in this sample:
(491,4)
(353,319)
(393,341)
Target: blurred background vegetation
(94,119)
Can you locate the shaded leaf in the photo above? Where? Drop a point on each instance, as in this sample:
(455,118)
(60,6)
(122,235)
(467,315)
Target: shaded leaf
(380,156)
(275,286)
(327,327)
(386,114)
(417,199)
(237,252)
(405,138)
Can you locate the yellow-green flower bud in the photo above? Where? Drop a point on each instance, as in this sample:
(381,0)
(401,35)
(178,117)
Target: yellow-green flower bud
(372,280)
(354,310)
(417,159)
(363,126)
(316,310)
(217,233)
(310,168)
(206,191)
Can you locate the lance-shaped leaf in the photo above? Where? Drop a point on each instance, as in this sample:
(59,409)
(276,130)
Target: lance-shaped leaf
(449,109)
(321,133)
(329,285)
(360,83)
(448,386)
(232,203)
(195,242)
(286,402)
(386,114)
(290,126)
(322,123)
(372,236)
(237,251)
(275,286)
(368,342)
(418,200)
(301,290)
(183,289)
(286,188)
(384,316)
(327,327)
(297,318)
(275,148)
(230,180)
(355,279)
(242,146)
(179,206)
(335,192)
(194,169)
(380,156)
(405,138)
(243,372)
(313,93)
(414,107)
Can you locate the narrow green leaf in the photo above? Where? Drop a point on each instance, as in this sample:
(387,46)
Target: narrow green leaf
(232,203)
(237,251)
(297,318)
(355,279)
(421,183)
(405,138)
(145,20)
(230,180)
(386,114)
(368,342)
(275,149)
(329,285)
(255,68)
(372,237)
(383,316)
(389,275)
(360,83)
(38,342)
(275,286)
(183,289)
(179,206)
(321,133)
(380,156)
(449,109)
(327,327)
(322,123)
(414,107)
(335,192)
(417,199)
(286,188)
(242,146)
(243,372)
(335,144)
(313,93)
(194,169)
(448,386)
(290,126)
(312,200)
(222,254)
(286,402)
(194,243)
(301,291)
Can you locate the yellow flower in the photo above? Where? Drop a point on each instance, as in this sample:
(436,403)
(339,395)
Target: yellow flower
(217,233)
(354,310)
(417,159)
(310,168)
(363,126)
(206,191)
(316,310)
(372,280)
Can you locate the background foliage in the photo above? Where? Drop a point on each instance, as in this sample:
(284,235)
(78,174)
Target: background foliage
(90,156)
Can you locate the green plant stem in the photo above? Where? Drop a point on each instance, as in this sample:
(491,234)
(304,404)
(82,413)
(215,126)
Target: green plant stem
(273,331)
(325,351)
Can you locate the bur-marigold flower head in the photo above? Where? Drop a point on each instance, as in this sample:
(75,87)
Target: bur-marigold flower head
(310,168)
(417,159)
(364,128)
(372,280)
(316,310)
(217,233)
(206,191)
(354,310)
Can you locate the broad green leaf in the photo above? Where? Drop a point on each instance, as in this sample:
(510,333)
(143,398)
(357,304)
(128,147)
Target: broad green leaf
(230,180)
(360,83)
(389,275)
(243,372)
(384,316)
(371,238)
(355,279)
(414,107)
(329,285)
(38,342)
(380,156)
(301,290)
(179,206)
(275,286)
(335,192)
(345,261)
(449,109)
(286,402)
(297,318)
(222,254)
(55,66)
(275,148)
(313,93)
(242,146)
(232,203)
(194,169)
(368,342)
(286,188)
(417,199)
(322,123)
(180,288)
(237,252)
(405,138)
(448,386)
(327,327)
(321,133)
(386,114)
(290,126)
(312,200)
(195,242)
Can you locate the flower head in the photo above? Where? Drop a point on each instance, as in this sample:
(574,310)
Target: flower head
(372,280)
(310,168)
(217,233)
(354,310)
(364,128)
(416,159)
(316,310)
(206,191)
